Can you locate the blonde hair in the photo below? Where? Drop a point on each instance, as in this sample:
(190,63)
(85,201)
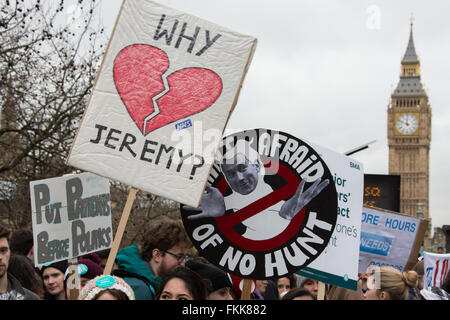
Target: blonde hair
(396,283)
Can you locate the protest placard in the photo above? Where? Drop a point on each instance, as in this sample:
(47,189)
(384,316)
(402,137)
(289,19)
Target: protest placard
(435,268)
(389,239)
(338,263)
(71,217)
(166,88)
(269,209)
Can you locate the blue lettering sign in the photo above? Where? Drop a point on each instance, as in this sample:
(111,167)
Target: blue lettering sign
(376,244)
(183,125)
(401,225)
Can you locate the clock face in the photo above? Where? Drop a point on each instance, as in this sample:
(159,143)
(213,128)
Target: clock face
(407,123)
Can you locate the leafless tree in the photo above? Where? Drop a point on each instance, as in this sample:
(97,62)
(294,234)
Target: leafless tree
(47,67)
(49,58)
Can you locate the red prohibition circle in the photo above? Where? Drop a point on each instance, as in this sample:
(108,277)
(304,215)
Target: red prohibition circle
(226,223)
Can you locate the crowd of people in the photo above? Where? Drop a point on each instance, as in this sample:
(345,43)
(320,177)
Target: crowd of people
(165,266)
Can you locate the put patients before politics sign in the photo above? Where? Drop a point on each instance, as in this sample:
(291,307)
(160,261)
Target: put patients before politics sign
(166,88)
(269,208)
(71,217)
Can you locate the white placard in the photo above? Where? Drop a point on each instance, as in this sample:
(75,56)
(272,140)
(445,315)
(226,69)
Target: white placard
(165,91)
(71,217)
(270,207)
(338,264)
(435,268)
(387,238)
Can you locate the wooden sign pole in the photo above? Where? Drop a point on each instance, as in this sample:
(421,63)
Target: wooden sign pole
(415,250)
(119,232)
(73,280)
(246,289)
(321,291)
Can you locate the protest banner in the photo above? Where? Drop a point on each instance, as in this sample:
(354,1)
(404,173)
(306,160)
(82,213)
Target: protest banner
(165,90)
(338,263)
(71,217)
(435,268)
(269,209)
(389,239)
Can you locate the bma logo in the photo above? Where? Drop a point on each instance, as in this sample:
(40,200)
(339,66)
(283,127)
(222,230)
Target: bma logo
(354,166)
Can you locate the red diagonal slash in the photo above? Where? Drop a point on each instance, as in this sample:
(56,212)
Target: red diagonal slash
(226,223)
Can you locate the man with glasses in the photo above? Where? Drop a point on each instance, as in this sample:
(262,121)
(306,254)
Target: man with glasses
(164,247)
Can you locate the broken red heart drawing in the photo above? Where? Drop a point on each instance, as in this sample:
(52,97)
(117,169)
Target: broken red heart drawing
(154,99)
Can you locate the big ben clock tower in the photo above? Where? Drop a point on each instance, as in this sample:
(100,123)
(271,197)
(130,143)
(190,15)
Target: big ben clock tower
(409,136)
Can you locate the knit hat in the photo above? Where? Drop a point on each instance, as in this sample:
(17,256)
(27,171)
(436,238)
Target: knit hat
(60,265)
(102,283)
(89,266)
(218,278)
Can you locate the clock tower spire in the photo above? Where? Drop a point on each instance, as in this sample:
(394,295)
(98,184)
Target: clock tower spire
(409,135)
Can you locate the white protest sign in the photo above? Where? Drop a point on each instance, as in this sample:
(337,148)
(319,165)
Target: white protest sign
(435,268)
(338,264)
(389,239)
(71,216)
(269,209)
(166,88)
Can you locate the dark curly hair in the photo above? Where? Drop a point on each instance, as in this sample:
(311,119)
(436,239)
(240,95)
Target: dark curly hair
(194,283)
(164,234)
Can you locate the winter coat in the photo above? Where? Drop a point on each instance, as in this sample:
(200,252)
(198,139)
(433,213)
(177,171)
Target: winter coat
(137,273)
(15,291)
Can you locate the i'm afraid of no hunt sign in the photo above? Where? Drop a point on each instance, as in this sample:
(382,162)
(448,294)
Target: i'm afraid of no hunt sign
(269,208)
(166,88)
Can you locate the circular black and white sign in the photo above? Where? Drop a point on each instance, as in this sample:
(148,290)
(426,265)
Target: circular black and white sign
(269,207)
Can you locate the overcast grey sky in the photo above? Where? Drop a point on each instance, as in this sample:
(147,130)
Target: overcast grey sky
(324,71)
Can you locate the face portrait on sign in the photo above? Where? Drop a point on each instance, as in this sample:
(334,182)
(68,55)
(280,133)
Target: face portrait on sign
(241,168)
(269,208)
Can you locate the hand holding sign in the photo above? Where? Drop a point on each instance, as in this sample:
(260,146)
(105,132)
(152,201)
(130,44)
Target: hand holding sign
(212,205)
(291,207)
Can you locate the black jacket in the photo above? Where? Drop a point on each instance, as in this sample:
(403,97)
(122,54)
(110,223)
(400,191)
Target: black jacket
(15,291)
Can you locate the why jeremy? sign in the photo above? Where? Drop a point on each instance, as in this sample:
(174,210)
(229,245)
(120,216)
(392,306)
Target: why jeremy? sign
(269,208)
(166,88)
